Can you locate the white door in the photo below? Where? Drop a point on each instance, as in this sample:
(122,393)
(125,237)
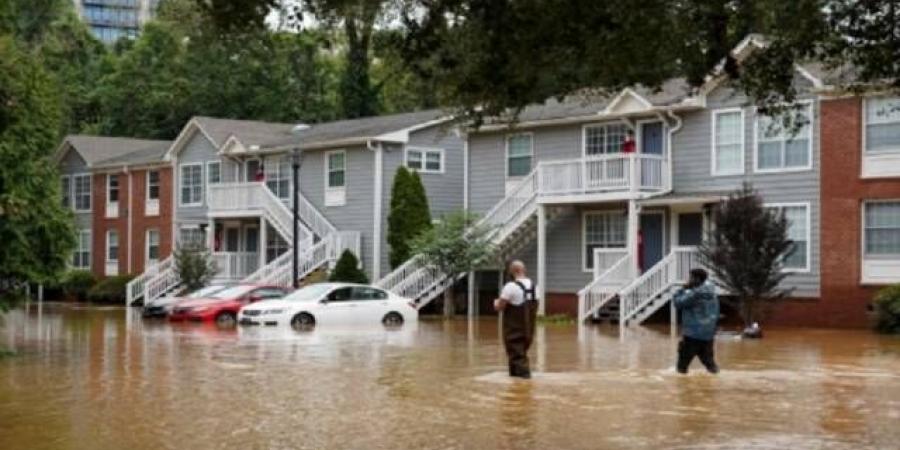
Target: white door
(339,307)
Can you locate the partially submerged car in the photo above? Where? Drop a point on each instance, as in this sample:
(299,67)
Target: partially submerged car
(222,307)
(162,306)
(331,303)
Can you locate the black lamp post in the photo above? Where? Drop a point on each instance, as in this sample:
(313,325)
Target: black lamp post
(296,159)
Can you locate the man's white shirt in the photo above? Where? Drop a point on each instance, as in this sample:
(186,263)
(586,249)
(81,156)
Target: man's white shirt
(514,294)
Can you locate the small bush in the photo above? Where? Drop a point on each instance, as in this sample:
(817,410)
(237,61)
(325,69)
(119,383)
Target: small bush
(887,310)
(110,290)
(77,283)
(347,270)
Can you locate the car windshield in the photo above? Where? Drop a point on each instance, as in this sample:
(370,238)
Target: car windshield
(206,291)
(232,292)
(309,293)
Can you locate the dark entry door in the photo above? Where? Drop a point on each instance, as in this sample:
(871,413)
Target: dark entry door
(652,138)
(652,239)
(690,229)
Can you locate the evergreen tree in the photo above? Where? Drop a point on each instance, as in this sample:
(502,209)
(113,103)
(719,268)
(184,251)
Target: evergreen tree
(409,214)
(194,266)
(347,270)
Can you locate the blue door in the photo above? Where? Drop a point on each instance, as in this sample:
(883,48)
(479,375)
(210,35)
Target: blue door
(652,138)
(652,239)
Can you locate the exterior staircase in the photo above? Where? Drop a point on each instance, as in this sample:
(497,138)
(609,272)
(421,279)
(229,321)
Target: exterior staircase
(655,287)
(601,293)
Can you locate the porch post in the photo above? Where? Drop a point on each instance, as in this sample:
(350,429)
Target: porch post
(262,241)
(632,239)
(211,235)
(542,258)
(470,295)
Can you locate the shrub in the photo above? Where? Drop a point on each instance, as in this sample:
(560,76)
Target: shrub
(347,270)
(76,284)
(887,310)
(110,290)
(195,266)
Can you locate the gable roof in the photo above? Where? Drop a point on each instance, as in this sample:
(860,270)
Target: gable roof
(103,151)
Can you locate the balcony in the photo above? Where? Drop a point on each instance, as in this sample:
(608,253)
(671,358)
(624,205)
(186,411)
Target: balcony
(603,177)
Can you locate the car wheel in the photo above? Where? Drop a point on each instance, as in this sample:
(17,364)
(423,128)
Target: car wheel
(303,321)
(226,319)
(392,319)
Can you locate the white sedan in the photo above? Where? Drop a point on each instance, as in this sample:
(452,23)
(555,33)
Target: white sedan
(331,303)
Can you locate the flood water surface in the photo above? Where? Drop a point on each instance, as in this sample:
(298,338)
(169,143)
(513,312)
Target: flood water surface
(92,378)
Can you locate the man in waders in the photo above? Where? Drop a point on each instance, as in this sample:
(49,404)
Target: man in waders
(518,304)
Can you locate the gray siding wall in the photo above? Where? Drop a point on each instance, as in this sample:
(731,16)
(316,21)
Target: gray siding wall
(197,150)
(692,170)
(72,163)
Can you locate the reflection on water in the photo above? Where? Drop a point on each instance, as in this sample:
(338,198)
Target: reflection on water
(95,378)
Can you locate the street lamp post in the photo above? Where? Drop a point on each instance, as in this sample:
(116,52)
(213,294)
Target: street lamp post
(296,159)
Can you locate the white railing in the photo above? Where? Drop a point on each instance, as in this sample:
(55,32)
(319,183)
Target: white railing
(135,288)
(626,172)
(311,216)
(636,301)
(280,270)
(604,258)
(235,265)
(605,286)
(270,268)
(256,198)
(161,284)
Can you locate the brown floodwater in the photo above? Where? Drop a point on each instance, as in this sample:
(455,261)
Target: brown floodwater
(93,378)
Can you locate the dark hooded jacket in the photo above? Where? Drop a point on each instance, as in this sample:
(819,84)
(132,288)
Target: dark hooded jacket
(699,308)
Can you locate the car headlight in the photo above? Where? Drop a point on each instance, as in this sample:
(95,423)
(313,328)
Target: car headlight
(273,311)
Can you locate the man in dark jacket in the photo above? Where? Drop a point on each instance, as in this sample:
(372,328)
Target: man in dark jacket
(699,308)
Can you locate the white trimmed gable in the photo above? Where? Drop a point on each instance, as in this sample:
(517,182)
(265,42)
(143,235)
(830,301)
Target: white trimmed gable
(627,102)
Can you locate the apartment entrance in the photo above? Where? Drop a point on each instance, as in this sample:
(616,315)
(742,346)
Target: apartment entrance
(652,239)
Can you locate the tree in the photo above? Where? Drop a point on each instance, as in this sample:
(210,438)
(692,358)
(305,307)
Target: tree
(456,245)
(409,215)
(745,252)
(347,270)
(37,232)
(194,266)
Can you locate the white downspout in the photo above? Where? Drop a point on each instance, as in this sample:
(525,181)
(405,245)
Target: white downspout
(678,124)
(173,239)
(130,215)
(376,206)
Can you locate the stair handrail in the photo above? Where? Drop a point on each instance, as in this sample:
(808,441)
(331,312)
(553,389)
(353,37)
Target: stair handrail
(313,218)
(603,288)
(663,275)
(161,283)
(135,288)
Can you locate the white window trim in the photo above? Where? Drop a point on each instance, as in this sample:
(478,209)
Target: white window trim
(90,178)
(112,207)
(424,151)
(809,163)
(111,263)
(181,183)
(68,181)
(583,246)
(212,163)
(335,195)
(82,233)
(865,124)
(190,226)
(147,184)
(506,158)
(147,259)
(585,127)
(713,169)
(872,165)
(863,251)
(865,279)
(809,226)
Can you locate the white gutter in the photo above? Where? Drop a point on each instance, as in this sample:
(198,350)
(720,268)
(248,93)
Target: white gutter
(465,137)
(130,212)
(678,124)
(376,207)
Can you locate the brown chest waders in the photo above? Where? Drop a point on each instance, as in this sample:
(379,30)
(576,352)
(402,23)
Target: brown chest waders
(518,333)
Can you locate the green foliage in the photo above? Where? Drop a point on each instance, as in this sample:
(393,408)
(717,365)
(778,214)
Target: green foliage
(887,310)
(75,284)
(745,250)
(111,290)
(194,266)
(347,270)
(409,215)
(457,244)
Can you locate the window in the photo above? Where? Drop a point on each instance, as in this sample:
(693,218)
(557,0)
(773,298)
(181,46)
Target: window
(66,191)
(191,184)
(883,125)
(153,245)
(604,139)
(778,148)
(81,259)
(190,235)
(603,230)
(336,169)
(153,185)
(278,177)
(728,142)
(275,245)
(882,228)
(425,160)
(82,187)
(112,188)
(341,295)
(798,231)
(112,246)
(213,172)
(519,153)
(367,293)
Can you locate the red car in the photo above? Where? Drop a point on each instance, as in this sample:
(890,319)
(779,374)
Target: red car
(222,307)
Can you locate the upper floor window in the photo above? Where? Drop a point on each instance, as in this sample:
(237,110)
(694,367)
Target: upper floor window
(604,139)
(66,191)
(519,153)
(881,225)
(883,125)
(153,185)
(112,188)
(784,148)
(603,230)
(213,172)
(278,177)
(192,184)
(797,216)
(425,160)
(82,188)
(335,178)
(728,142)
(81,258)
(152,245)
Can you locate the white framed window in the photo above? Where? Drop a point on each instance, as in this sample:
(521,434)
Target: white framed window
(335,178)
(191,235)
(112,195)
(519,154)
(81,258)
(213,172)
(602,229)
(728,141)
(275,245)
(798,218)
(81,185)
(66,191)
(151,203)
(278,177)
(112,252)
(604,139)
(881,229)
(152,246)
(781,150)
(425,160)
(191,184)
(882,125)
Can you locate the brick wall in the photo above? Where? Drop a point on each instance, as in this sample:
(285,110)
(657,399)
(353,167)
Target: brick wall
(102,224)
(141,222)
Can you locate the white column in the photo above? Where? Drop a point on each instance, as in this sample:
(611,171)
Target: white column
(542,258)
(633,227)
(262,241)
(211,235)
(375,270)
